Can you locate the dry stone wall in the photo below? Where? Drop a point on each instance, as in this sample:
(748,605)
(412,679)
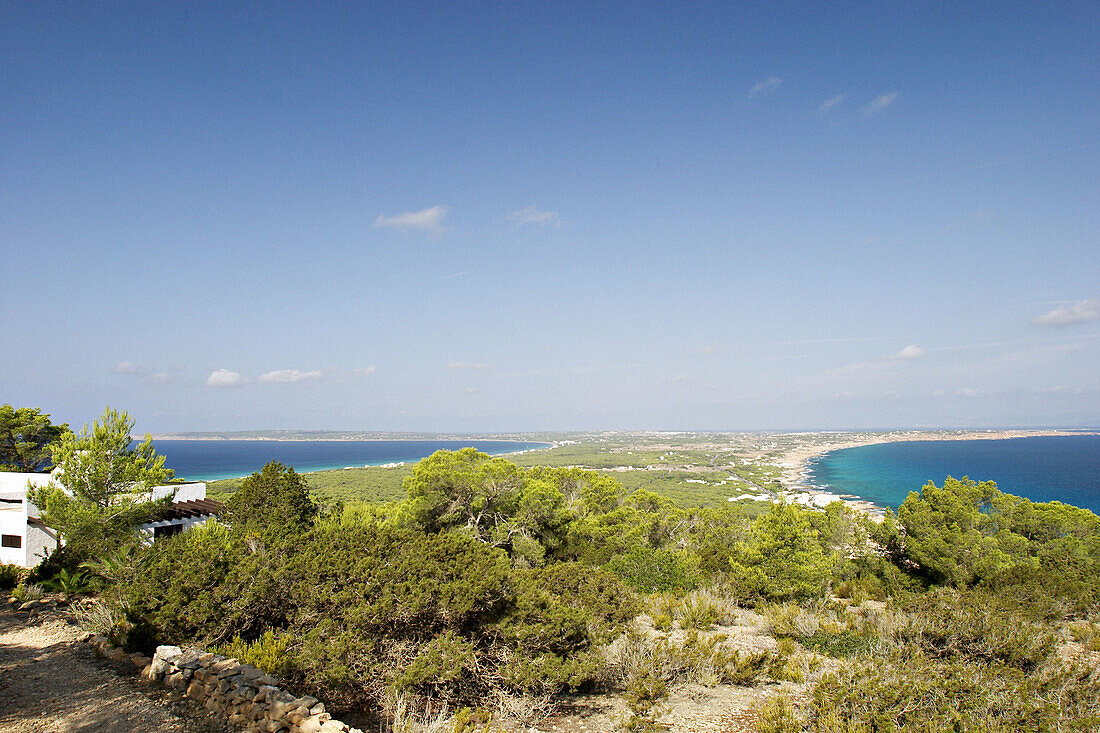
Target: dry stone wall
(247,696)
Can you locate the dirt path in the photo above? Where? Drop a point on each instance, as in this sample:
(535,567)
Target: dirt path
(51,683)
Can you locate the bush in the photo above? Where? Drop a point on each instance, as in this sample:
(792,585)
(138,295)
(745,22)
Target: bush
(948,624)
(100,618)
(908,691)
(270,652)
(24,593)
(784,559)
(69,583)
(11,576)
(698,610)
(777,715)
(272,503)
(656,570)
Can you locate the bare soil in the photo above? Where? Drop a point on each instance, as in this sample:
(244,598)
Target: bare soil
(50,682)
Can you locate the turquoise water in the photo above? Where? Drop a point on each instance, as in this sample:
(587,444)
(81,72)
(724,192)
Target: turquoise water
(1063,468)
(210,460)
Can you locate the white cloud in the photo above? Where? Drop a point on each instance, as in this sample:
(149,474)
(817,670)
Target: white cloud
(225,378)
(535,215)
(1083,312)
(910,352)
(831,102)
(364,372)
(290,376)
(768,85)
(147,375)
(429,221)
(880,103)
(467,365)
(127,367)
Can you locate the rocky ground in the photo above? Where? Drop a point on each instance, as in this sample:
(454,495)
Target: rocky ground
(52,683)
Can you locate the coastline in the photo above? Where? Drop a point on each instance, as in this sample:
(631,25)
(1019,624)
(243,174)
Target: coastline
(388,464)
(795,463)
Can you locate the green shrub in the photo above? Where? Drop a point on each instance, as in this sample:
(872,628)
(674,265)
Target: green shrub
(270,652)
(947,624)
(783,560)
(101,618)
(656,570)
(24,593)
(441,668)
(840,644)
(777,715)
(909,692)
(11,576)
(698,610)
(273,503)
(69,583)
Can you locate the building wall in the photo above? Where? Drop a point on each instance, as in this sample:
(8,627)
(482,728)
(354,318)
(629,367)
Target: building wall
(13,517)
(36,540)
(40,542)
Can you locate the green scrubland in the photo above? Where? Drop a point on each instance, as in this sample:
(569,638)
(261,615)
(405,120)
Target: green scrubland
(484,586)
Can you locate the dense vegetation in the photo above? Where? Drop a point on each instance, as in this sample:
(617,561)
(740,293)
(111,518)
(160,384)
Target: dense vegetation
(494,582)
(26,437)
(103,483)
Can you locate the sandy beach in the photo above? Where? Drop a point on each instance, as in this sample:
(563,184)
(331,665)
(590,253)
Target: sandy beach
(795,462)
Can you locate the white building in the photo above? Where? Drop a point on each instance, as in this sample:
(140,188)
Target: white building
(25,540)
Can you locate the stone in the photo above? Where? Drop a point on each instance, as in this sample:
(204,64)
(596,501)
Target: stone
(195,691)
(250,673)
(117,655)
(174,680)
(231,670)
(317,709)
(139,660)
(188,659)
(311,725)
(280,708)
(267,680)
(332,726)
(167,652)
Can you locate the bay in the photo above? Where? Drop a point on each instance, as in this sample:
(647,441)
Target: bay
(1062,468)
(211,460)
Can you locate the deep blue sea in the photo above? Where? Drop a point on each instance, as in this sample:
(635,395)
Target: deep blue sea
(1065,468)
(209,460)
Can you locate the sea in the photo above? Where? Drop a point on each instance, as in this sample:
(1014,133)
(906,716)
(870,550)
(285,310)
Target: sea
(211,460)
(1064,468)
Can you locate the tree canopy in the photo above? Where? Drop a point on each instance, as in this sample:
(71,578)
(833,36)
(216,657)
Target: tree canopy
(105,484)
(273,502)
(967,532)
(26,437)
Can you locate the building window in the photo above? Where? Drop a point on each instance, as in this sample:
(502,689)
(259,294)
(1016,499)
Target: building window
(12,540)
(166,531)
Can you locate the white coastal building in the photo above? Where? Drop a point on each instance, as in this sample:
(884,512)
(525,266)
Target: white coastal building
(25,539)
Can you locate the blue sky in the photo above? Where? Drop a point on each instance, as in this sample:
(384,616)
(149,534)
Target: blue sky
(520,216)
